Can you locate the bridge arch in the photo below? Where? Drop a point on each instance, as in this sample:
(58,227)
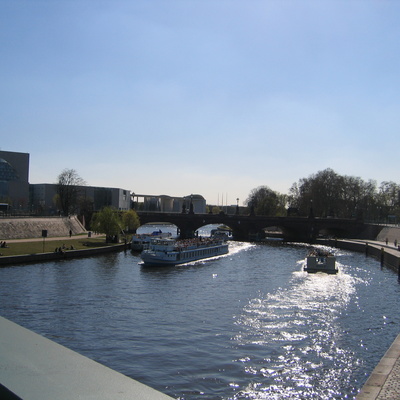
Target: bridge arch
(205,230)
(250,227)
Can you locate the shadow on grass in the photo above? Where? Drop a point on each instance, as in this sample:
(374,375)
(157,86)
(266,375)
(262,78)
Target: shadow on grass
(95,244)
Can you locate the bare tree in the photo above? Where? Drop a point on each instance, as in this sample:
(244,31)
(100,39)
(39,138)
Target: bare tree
(330,194)
(69,185)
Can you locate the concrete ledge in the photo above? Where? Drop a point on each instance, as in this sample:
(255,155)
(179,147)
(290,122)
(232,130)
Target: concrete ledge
(35,368)
(387,255)
(384,382)
(34,258)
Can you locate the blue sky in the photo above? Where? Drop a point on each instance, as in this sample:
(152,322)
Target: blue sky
(214,97)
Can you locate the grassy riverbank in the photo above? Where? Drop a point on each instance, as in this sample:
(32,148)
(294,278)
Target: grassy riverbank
(17,248)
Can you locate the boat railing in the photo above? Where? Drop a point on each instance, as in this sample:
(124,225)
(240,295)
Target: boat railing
(189,244)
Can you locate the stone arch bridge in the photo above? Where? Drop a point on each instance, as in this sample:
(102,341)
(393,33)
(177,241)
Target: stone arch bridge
(251,227)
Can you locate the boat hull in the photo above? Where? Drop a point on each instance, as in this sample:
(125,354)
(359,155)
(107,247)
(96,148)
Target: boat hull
(171,258)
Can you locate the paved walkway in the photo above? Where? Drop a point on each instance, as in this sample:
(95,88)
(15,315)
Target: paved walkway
(49,239)
(389,247)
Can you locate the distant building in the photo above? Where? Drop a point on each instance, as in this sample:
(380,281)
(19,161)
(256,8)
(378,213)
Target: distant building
(103,196)
(169,204)
(43,198)
(16,194)
(14,179)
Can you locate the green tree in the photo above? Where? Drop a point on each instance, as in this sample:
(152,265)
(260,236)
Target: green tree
(109,222)
(216,210)
(359,198)
(130,220)
(321,193)
(282,205)
(265,201)
(388,199)
(68,189)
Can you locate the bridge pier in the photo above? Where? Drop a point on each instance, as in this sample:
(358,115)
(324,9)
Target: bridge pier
(187,229)
(188,233)
(304,233)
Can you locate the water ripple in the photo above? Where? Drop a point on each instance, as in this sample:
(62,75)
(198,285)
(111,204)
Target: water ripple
(299,331)
(249,325)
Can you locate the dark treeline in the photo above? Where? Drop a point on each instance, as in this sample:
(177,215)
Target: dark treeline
(328,194)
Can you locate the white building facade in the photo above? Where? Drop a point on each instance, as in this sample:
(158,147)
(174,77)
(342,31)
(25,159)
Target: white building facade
(169,204)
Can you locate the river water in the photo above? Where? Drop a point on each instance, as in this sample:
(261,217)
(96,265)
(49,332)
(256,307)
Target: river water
(248,325)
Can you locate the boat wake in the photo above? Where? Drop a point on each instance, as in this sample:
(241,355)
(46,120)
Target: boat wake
(238,247)
(300,333)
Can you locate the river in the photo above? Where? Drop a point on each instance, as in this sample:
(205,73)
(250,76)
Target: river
(248,325)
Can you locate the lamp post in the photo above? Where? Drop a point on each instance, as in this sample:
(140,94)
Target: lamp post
(191,205)
(311,214)
(44,235)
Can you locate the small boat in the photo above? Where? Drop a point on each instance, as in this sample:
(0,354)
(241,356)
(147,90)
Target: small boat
(169,252)
(142,241)
(222,232)
(321,261)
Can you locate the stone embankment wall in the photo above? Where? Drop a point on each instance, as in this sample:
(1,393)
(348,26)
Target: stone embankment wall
(388,254)
(27,228)
(41,257)
(390,233)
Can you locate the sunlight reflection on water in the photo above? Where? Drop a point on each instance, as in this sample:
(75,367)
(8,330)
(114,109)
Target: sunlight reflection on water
(299,326)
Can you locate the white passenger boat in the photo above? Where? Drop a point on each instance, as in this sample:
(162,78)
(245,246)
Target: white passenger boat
(165,252)
(321,261)
(142,241)
(222,232)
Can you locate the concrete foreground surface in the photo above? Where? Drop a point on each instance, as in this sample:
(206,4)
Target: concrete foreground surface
(35,368)
(384,382)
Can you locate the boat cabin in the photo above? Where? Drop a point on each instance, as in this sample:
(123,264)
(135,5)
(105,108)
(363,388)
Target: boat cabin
(321,261)
(162,244)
